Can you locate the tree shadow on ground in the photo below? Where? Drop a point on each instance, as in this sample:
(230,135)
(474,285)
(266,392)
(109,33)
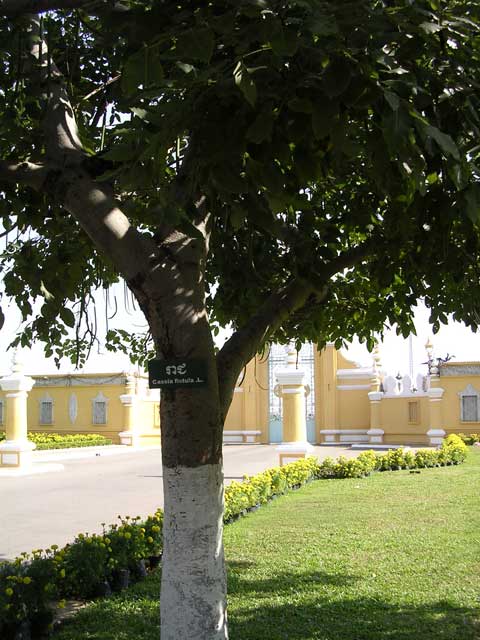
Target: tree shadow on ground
(292,609)
(281,582)
(298,607)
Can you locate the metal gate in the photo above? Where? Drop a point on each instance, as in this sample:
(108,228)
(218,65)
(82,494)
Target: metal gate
(276,360)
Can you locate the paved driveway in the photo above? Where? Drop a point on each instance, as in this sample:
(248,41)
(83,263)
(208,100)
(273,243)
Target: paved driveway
(51,508)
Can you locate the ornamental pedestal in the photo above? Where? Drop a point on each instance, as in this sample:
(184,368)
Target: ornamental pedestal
(16,450)
(291,388)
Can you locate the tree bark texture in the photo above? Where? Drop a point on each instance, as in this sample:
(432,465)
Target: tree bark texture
(193,592)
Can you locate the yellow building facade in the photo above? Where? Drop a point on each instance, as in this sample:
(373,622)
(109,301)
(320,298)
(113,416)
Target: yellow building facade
(360,405)
(344,403)
(119,406)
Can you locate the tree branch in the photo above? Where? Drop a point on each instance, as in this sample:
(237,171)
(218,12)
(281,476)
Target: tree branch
(62,140)
(93,205)
(26,173)
(244,343)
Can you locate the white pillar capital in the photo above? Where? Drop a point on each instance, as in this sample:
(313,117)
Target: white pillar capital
(290,376)
(16,383)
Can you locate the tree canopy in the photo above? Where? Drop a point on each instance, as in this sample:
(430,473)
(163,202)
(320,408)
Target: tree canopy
(321,135)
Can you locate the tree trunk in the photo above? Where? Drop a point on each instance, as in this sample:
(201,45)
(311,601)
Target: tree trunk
(193,592)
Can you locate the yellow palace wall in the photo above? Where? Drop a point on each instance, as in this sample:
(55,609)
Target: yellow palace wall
(395,420)
(454,385)
(72,400)
(352,404)
(247,418)
(344,410)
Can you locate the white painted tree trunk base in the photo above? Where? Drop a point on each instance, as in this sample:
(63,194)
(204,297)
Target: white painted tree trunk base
(193,595)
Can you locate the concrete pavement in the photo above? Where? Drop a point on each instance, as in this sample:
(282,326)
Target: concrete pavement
(97,486)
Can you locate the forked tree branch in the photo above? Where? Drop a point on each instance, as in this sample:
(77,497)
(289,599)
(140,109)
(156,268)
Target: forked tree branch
(26,173)
(244,343)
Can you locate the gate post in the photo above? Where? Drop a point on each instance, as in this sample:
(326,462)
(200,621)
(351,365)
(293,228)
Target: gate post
(291,388)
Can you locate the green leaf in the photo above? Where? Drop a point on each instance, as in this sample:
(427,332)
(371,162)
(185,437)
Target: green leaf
(323,24)
(392,99)
(186,68)
(336,77)
(444,141)
(133,73)
(67,316)
(472,202)
(228,180)
(285,42)
(300,105)
(45,292)
(430,27)
(120,152)
(196,44)
(323,117)
(237,215)
(143,68)
(261,128)
(245,83)
(140,113)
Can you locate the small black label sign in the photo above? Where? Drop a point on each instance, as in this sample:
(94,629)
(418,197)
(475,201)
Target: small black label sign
(173,374)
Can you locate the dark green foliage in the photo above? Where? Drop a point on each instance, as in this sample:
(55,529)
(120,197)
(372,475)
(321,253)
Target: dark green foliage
(311,127)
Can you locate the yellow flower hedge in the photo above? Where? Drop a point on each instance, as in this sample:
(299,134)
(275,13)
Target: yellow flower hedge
(65,441)
(471,438)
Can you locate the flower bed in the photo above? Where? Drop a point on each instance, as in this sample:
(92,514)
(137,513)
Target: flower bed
(67,441)
(470,439)
(94,564)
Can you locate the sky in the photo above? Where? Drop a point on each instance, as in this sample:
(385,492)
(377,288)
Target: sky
(454,339)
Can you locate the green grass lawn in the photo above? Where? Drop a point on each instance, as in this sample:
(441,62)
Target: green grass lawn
(395,556)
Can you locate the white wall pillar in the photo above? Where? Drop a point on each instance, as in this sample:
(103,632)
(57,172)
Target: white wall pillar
(16,449)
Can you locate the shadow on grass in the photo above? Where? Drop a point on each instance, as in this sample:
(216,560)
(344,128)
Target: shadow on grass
(355,619)
(281,582)
(290,610)
(298,607)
